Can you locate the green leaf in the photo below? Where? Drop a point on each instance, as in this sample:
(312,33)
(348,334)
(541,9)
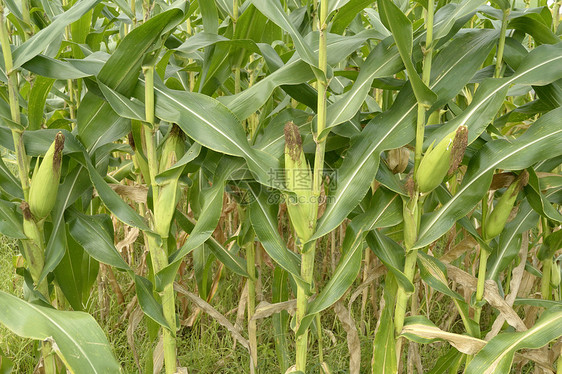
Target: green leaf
(123,106)
(534,25)
(395,128)
(263,215)
(274,12)
(497,355)
(148,303)
(6,365)
(392,256)
(79,341)
(293,73)
(210,16)
(509,243)
(40,41)
(8,182)
(552,243)
(48,67)
(95,235)
(37,97)
(74,184)
(212,125)
(206,224)
(538,201)
(401,29)
(335,4)
(447,15)
(451,359)
(542,66)
(233,262)
(383,61)
(11,221)
(68,273)
(384,350)
(474,46)
(434,273)
(98,124)
(280,293)
(343,277)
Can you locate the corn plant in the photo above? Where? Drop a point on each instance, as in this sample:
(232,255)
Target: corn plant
(306,153)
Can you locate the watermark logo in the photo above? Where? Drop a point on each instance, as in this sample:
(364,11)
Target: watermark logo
(276,188)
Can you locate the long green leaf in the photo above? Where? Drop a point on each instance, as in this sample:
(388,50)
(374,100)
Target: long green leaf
(39,42)
(395,128)
(263,215)
(542,66)
(80,342)
(497,355)
(401,28)
(95,235)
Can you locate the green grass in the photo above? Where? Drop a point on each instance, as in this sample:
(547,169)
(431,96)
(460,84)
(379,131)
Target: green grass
(20,350)
(204,348)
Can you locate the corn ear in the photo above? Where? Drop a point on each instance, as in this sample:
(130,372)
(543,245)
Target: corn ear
(411,224)
(173,146)
(496,221)
(45,182)
(169,192)
(32,246)
(397,159)
(298,180)
(555,275)
(442,160)
(165,207)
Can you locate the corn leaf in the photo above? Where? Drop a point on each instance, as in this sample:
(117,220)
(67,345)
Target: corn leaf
(80,342)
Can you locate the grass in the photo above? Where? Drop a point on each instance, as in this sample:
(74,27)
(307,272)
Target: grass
(21,351)
(204,348)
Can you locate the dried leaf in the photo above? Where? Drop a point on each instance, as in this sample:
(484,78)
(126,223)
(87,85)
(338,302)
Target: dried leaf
(516,277)
(158,356)
(491,295)
(464,343)
(207,308)
(353,342)
(265,309)
(134,320)
(129,239)
(466,245)
(136,193)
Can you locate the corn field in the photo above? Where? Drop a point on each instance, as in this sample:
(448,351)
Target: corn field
(328,186)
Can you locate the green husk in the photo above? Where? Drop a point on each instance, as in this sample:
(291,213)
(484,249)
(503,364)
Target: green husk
(45,183)
(169,192)
(498,218)
(298,180)
(442,160)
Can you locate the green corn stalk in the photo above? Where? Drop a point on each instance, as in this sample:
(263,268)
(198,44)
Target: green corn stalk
(34,246)
(165,198)
(307,223)
(302,212)
(13,96)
